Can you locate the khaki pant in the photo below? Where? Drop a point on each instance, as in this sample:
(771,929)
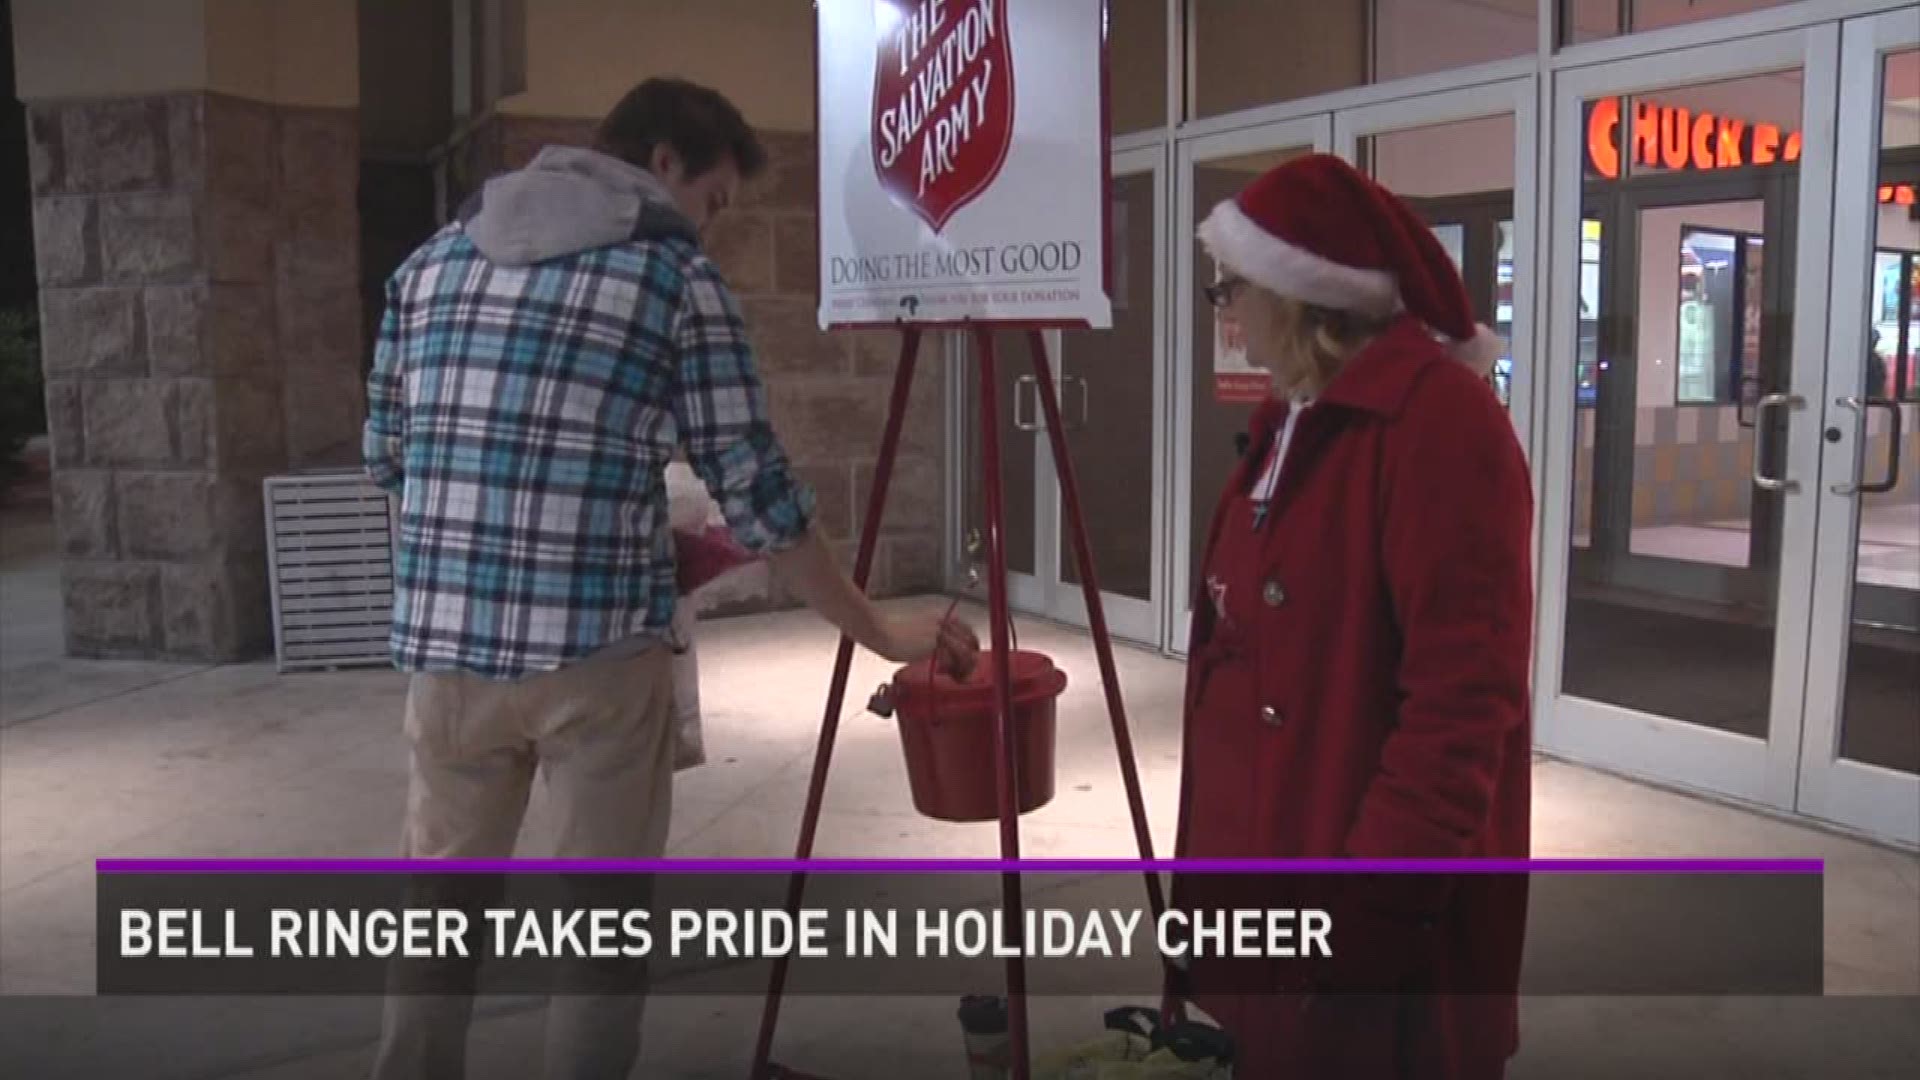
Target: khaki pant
(601,731)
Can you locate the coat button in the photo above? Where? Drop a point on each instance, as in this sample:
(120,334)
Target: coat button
(1272,716)
(1273,594)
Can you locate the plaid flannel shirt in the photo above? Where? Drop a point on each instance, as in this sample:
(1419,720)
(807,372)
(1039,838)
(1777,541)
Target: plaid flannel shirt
(526,415)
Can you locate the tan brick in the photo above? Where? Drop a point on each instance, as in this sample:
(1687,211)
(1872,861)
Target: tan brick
(210,330)
(128,422)
(66,423)
(66,240)
(241,240)
(792,179)
(914,565)
(191,403)
(319,326)
(787,340)
(168,515)
(826,422)
(92,332)
(239,509)
(916,496)
(325,411)
(215,611)
(522,138)
(876,354)
(149,236)
(83,513)
(46,154)
(239,142)
(833,497)
(250,423)
(185,126)
(741,245)
(115,145)
(318,242)
(796,256)
(112,609)
(319,158)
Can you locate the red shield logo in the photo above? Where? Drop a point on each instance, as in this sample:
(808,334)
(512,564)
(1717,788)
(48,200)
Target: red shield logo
(942,102)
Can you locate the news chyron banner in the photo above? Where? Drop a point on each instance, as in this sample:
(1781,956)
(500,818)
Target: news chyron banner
(938,929)
(963,162)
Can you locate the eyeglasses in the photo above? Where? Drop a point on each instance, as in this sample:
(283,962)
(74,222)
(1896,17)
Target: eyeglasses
(1222,292)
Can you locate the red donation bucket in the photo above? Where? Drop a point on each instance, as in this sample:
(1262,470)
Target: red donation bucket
(947,729)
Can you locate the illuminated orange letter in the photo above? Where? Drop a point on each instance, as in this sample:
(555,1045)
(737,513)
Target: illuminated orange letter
(1603,132)
(1646,133)
(1703,141)
(1673,137)
(1766,144)
(1730,135)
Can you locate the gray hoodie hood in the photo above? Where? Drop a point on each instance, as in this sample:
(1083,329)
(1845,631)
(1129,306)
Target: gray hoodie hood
(569,200)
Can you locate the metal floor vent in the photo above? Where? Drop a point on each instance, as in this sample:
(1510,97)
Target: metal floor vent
(330,542)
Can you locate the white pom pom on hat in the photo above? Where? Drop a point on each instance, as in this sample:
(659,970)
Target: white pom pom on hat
(1315,229)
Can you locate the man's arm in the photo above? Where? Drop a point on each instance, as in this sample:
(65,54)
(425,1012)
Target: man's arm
(383,440)
(721,410)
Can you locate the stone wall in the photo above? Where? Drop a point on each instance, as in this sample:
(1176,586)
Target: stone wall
(197,260)
(828,392)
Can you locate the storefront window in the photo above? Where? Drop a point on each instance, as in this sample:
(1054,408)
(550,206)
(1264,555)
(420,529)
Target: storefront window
(1459,177)
(1503,309)
(1595,20)
(1255,52)
(1249,53)
(1420,37)
(1588,366)
(1719,316)
(1137,65)
(1891,369)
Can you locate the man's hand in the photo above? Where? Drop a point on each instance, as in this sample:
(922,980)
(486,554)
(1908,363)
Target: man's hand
(809,570)
(905,639)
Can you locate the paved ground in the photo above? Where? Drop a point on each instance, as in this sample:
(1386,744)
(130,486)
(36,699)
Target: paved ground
(160,760)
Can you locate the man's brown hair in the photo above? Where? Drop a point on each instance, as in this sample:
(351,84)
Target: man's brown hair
(700,124)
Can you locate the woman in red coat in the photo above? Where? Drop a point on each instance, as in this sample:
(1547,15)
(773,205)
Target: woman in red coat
(1360,647)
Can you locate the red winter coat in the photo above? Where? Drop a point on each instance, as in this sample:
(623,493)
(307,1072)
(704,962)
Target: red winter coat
(1366,695)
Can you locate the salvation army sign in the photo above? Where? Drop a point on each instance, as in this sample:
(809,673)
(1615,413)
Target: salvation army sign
(931,160)
(963,162)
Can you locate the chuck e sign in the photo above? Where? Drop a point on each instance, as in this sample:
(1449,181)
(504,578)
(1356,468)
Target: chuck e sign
(963,162)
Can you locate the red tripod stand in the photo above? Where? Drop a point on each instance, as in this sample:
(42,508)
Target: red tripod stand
(1007,779)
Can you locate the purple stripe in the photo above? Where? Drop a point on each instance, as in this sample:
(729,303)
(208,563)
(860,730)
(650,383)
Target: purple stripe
(960,866)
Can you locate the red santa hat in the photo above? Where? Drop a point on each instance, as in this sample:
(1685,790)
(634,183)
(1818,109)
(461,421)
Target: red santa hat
(1318,231)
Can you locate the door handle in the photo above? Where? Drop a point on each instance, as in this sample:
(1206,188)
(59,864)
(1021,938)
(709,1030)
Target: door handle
(1019,395)
(1862,408)
(1760,478)
(1082,424)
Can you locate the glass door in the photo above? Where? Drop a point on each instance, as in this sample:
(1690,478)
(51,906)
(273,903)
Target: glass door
(1465,161)
(1112,385)
(1109,385)
(1861,762)
(1685,362)
(1214,391)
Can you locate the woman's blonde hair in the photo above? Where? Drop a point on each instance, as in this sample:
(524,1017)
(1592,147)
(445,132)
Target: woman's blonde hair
(1319,340)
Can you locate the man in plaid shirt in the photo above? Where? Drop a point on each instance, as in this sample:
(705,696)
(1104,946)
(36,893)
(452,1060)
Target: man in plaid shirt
(540,360)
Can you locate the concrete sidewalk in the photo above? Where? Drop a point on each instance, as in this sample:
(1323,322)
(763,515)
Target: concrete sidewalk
(101,760)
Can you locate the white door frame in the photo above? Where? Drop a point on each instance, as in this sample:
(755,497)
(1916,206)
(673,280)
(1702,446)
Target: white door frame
(1043,593)
(1876,800)
(1632,742)
(1314,131)
(1520,98)
(1128,618)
